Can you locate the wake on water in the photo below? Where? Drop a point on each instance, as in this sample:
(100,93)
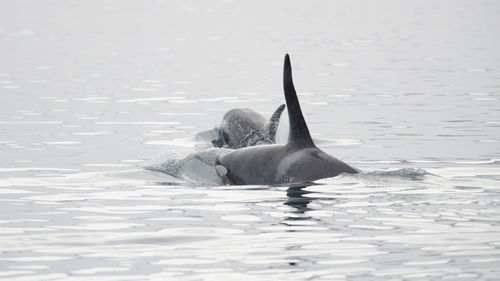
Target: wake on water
(198,168)
(413,174)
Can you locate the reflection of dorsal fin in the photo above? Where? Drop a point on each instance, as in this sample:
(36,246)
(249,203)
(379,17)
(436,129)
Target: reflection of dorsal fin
(299,134)
(272,125)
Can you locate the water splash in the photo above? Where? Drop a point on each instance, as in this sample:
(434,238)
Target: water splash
(196,168)
(414,174)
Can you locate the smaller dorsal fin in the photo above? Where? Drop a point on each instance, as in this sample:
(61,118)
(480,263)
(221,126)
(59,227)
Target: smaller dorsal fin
(272,125)
(299,133)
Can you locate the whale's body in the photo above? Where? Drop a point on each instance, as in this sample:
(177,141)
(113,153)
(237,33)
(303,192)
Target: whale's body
(274,164)
(243,127)
(298,160)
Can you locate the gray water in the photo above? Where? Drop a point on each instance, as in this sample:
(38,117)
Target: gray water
(102,176)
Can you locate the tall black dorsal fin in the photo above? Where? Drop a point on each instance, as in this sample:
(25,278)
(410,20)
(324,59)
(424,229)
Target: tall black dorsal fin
(273,123)
(299,133)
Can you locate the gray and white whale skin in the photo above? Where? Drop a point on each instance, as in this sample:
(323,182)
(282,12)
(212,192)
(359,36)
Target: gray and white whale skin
(243,127)
(299,160)
(275,164)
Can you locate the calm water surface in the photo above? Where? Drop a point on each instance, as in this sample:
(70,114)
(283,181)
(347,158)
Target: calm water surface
(102,176)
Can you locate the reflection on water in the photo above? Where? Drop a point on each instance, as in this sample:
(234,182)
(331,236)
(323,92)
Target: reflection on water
(296,200)
(122,225)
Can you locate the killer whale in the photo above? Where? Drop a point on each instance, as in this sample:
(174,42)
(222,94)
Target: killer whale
(243,127)
(299,160)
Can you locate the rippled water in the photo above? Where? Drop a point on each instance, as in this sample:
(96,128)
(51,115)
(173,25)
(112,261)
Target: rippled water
(103,176)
